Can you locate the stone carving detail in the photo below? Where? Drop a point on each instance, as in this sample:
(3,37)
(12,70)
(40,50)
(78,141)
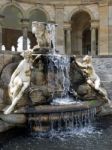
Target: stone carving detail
(88,69)
(45,34)
(20,79)
(92,78)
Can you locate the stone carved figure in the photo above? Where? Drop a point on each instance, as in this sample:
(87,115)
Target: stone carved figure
(92,78)
(20,79)
(42,35)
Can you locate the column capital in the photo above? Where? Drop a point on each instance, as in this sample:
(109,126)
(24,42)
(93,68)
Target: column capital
(94,24)
(93,41)
(25,22)
(104,2)
(67,25)
(110,2)
(51,21)
(57,6)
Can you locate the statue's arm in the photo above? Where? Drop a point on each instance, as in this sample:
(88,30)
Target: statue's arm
(81,65)
(37,57)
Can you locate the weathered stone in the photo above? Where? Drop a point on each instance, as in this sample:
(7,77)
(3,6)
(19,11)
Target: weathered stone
(54,81)
(85,92)
(2,106)
(4,81)
(49,109)
(37,97)
(7,58)
(76,76)
(14,118)
(38,77)
(106,110)
(1,96)
(5,126)
(103,68)
(23,101)
(7,72)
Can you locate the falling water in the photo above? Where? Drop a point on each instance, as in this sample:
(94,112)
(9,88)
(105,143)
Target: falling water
(60,65)
(69,122)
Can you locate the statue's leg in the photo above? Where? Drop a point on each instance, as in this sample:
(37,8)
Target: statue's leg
(17,98)
(97,83)
(18,85)
(91,83)
(97,86)
(101,91)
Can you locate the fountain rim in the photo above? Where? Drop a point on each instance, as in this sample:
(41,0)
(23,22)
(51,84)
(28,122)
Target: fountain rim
(48,109)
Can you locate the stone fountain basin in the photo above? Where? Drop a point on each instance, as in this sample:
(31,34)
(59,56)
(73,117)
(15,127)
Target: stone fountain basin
(33,106)
(48,109)
(47,113)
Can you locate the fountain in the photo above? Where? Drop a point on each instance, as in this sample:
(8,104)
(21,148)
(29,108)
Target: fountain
(48,90)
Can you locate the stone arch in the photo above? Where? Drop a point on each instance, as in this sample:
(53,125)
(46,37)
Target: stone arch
(30,10)
(81,9)
(81,27)
(11,24)
(82,36)
(16,5)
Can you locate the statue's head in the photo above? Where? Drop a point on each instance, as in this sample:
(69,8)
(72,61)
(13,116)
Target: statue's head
(38,27)
(27,54)
(87,59)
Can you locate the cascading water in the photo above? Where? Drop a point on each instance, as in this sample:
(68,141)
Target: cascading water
(60,66)
(63,123)
(58,84)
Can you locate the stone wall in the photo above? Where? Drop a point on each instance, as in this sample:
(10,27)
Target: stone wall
(103,67)
(7,58)
(60,12)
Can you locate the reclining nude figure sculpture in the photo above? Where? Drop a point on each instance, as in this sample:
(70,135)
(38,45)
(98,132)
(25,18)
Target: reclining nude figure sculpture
(92,78)
(20,79)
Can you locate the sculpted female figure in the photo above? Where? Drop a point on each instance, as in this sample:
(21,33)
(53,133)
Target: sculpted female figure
(87,67)
(92,78)
(20,79)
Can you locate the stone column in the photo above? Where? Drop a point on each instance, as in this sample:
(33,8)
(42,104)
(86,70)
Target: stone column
(93,41)
(67,28)
(59,30)
(110,29)
(94,26)
(103,28)
(1,22)
(25,25)
(79,42)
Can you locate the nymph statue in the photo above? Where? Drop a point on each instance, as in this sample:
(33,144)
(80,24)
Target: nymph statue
(20,79)
(92,78)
